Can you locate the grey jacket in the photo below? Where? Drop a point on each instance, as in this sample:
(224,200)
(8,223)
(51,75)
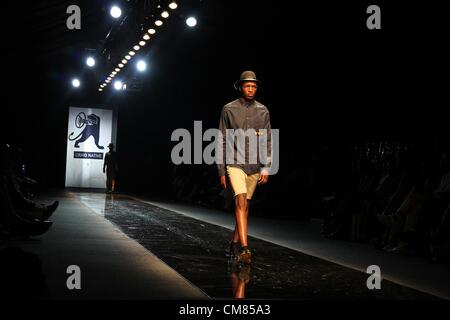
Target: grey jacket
(240,114)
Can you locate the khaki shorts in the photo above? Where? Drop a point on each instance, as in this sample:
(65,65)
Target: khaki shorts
(242,182)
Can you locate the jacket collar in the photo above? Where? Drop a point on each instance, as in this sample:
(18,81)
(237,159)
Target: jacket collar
(246,103)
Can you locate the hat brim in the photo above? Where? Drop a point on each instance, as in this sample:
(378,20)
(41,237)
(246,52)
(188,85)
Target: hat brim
(236,84)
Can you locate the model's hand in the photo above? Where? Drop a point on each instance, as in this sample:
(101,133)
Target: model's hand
(223,181)
(263,178)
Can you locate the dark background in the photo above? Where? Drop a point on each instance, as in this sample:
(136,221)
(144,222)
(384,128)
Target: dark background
(328,81)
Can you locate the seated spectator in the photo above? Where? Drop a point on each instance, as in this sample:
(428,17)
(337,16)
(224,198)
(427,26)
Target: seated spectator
(19,215)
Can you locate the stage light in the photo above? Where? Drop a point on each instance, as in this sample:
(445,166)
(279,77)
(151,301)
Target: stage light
(100,89)
(108,81)
(191,22)
(141,65)
(115,12)
(76,83)
(90,62)
(118,85)
(124,87)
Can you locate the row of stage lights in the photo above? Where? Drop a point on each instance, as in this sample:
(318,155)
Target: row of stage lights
(141,65)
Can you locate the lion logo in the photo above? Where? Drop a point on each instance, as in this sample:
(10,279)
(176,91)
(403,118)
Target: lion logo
(91,124)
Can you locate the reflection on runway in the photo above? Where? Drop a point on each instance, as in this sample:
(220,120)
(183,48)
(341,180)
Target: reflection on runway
(196,250)
(240,277)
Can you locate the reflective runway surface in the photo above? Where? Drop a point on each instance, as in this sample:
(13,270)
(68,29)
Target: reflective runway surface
(196,250)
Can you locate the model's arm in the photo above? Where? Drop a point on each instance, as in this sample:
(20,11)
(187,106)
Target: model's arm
(268,160)
(221,148)
(105,162)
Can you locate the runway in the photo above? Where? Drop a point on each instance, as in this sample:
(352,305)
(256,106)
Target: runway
(196,250)
(128,248)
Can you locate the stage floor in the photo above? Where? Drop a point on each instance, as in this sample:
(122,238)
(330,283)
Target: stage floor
(196,250)
(133,249)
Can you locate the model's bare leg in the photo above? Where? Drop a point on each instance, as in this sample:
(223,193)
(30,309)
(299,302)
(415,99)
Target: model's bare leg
(236,234)
(236,231)
(241,213)
(247,206)
(113,184)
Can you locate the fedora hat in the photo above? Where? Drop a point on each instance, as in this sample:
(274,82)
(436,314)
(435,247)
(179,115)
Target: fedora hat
(246,76)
